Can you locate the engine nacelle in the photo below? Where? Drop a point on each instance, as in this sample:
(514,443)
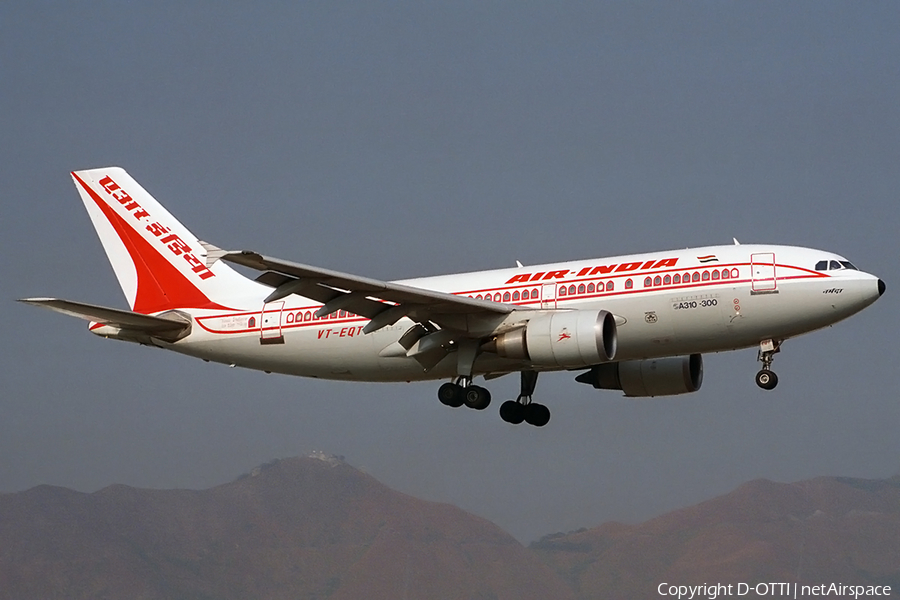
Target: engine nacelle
(649,377)
(563,338)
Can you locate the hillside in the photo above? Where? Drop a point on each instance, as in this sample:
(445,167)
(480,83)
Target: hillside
(297,528)
(818,531)
(315,527)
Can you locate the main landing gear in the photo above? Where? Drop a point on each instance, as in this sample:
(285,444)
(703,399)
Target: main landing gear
(766,378)
(463,392)
(522,408)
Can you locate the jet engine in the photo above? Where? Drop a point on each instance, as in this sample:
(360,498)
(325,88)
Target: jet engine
(561,338)
(649,377)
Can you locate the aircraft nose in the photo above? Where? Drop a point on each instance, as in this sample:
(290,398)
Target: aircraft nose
(881,287)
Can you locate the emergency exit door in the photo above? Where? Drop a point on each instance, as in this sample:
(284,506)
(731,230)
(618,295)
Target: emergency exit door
(270,323)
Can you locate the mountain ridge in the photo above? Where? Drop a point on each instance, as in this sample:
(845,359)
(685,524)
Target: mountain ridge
(316,527)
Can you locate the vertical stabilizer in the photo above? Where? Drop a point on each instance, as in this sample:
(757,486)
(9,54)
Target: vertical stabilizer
(158,262)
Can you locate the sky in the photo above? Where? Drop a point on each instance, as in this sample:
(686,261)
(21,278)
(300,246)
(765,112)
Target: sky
(404,139)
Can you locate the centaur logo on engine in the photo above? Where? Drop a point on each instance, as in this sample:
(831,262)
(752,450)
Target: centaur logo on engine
(588,271)
(175,244)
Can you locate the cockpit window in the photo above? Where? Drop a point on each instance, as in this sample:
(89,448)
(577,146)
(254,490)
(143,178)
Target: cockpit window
(849,265)
(834,265)
(822,265)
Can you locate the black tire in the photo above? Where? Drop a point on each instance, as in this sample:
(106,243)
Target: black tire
(512,412)
(537,415)
(451,395)
(766,379)
(477,397)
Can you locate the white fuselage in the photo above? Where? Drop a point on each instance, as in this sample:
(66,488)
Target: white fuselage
(665,303)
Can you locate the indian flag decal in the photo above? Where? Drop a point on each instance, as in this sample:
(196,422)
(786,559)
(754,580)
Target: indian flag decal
(708,258)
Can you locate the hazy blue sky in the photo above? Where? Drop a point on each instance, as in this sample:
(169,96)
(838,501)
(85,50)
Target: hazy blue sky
(402,139)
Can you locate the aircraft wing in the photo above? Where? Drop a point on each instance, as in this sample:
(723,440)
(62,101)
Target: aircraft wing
(381,301)
(162,327)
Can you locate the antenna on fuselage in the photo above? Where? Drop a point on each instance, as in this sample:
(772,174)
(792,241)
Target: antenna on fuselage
(736,243)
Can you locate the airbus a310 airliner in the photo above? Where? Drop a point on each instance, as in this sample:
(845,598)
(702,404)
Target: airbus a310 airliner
(636,323)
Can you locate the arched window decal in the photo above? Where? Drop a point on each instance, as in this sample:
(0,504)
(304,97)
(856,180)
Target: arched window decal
(648,282)
(600,286)
(497,297)
(534,294)
(676,278)
(251,322)
(506,296)
(524,294)
(705,275)
(478,297)
(515,295)
(307,316)
(695,276)
(571,290)
(715,274)
(610,286)
(725,274)
(657,280)
(562,290)
(685,278)
(734,273)
(343,314)
(581,289)
(289,318)
(667,280)
(590,288)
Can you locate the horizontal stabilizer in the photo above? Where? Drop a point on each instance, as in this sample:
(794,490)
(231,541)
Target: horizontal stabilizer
(169,326)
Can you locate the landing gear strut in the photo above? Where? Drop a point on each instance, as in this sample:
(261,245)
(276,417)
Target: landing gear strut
(766,378)
(522,408)
(463,392)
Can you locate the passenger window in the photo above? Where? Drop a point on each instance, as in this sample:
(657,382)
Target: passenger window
(725,274)
(506,297)
(716,274)
(695,276)
(705,275)
(590,288)
(497,297)
(822,265)
(524,294)
(478,297)
(677,278)
(251,322)
(648,282)
(581,289)
(534,294)
(657,280)
(667,280)
(515,296)
(686,277)
(571,290)
(562,290)
(343,314)
(610,287)
(307,316)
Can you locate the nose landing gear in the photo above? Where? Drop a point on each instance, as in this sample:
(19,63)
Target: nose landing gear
(766,378)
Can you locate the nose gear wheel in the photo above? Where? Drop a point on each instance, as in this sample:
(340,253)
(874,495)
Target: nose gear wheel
(766,378)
